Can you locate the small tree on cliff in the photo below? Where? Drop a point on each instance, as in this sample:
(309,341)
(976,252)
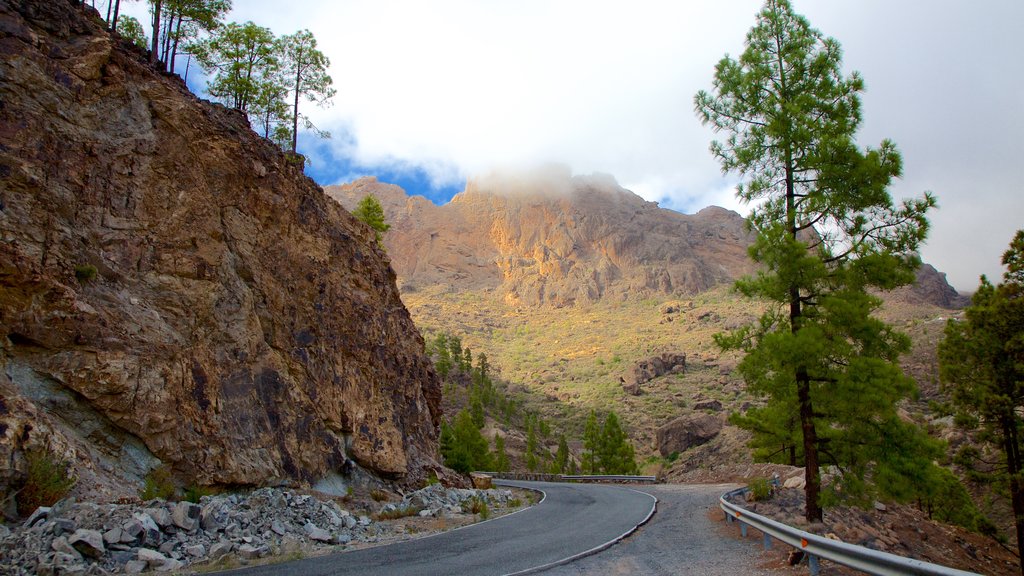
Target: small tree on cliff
(305,69)
(981,364)
(371,213)
(241,59)
(828,232)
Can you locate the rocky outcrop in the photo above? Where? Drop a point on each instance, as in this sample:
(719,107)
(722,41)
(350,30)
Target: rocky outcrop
(173,289)
(929,287)
(687,431)
(552,238)
(650,368)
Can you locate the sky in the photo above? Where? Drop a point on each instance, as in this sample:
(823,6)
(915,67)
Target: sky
(432,93)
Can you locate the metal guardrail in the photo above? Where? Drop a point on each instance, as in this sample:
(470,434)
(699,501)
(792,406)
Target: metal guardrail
(534,476)
(857,557)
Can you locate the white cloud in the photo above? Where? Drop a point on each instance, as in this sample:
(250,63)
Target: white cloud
(458,87)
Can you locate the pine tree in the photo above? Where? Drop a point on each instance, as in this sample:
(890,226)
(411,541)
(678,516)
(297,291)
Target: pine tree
(306,69)
(591,444)
(370,212)
(981,363)
(500,455)
(531,450)
(562,456)
(828,232)
(463,447)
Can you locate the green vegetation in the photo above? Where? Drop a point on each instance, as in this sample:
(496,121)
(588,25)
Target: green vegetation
(397,513)
(607,450)
(760,488)
(85,272)
(131,30)
(982,367)
(266,77)
(828,234)
(195,493)
(179,23)
(47,480)
(158,484)
(476,505)
(500,456)
(463,446)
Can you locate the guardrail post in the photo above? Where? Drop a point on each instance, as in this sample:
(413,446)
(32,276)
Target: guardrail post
(767,541)
(743,529)
(812,563)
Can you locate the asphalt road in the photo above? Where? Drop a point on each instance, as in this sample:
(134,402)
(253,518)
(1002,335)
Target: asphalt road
(685,537)
(573,519)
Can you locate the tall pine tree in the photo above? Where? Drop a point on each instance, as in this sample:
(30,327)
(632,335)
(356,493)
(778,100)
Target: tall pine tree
(828,232)
(981,363)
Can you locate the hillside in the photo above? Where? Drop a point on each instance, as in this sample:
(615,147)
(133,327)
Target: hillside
(571,285)
(173,290)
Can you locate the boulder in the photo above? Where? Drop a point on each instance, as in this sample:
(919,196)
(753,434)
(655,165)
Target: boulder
(713,405)
(481,481)
(185,515)
(796,482)
(687,431)
(650,368)
(88,543)
(314,532)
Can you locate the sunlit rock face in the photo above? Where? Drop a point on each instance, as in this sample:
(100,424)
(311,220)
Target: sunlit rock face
(554,239)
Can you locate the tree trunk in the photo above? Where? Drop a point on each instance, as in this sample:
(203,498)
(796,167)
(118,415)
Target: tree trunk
(1011,446)
(812,471)
(155,44)
(117,10)
(174,46)
(295,107)
(166,50)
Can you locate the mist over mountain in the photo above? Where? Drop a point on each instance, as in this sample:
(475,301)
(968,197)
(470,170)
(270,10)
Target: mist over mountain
(547,237)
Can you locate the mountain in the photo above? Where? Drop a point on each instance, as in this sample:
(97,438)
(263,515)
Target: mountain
(550,238)
(174,290)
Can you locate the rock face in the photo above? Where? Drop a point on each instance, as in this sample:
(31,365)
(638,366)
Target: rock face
(173,289)
(687,431)
(551,238)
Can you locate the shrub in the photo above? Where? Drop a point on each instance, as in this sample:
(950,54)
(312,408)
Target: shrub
(47,481)
(398,513)
(195,493)
(476,505)
(159,484)
(432,479)
(515,503)
(85,272)
(379,495)
(760,489)
(673,456)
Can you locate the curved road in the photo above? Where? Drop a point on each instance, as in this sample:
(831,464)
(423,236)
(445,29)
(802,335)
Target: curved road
(571,520)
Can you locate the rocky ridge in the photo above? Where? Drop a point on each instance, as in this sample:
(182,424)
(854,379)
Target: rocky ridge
(165,536)
(174,290)
(554,239)
(550,238)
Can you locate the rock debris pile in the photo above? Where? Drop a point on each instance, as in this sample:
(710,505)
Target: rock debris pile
(86,538)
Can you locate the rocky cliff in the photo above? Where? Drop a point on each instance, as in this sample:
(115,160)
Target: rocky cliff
(551,238)
(173,289)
